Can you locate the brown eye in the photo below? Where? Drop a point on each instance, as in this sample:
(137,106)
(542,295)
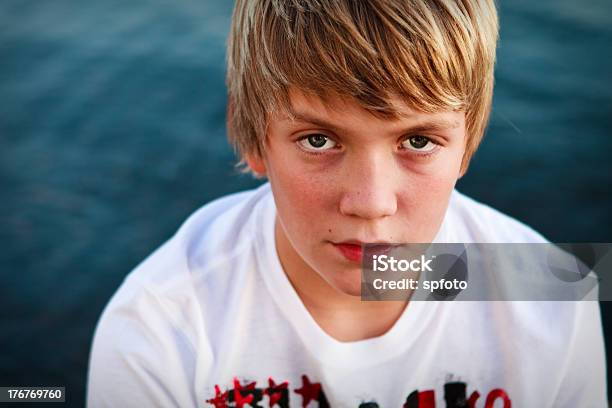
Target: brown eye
(317,142)
(418,143)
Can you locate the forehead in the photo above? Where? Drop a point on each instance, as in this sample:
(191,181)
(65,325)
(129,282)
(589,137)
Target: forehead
(346,113)
(334,105)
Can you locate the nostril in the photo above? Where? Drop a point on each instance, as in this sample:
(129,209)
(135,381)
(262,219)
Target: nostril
(368,205)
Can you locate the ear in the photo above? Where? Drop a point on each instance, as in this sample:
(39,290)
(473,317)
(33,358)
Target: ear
(464,166)
(257,164)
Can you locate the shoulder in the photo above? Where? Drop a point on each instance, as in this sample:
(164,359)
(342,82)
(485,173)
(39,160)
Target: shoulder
(206,251)
(153,330)
(468,220)
(546,329)
(216,233)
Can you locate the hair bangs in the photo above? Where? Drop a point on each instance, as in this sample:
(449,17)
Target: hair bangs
(433,55)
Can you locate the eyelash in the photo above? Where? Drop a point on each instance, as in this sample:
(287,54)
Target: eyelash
(338,145)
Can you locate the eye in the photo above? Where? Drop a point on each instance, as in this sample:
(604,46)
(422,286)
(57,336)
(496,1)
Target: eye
(419,144)
(317,142)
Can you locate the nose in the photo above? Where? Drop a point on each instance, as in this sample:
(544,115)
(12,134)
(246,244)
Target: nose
(369,188)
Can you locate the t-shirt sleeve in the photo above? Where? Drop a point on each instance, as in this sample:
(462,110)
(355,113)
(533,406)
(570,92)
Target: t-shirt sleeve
(140,356)
(584,374)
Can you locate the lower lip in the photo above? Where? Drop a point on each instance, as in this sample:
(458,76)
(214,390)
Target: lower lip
(380,249)
(352,252)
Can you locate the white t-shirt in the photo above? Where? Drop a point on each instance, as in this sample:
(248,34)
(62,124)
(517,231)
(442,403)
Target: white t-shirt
(210,319)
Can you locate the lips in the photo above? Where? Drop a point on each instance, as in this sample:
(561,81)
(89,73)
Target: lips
(353,250)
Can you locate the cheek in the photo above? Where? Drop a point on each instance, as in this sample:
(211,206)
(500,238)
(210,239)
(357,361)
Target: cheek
(441,177)
(302,198)
(425,199)
(437,185)
(425,203)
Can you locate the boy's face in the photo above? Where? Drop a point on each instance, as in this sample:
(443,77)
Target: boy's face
(341,177)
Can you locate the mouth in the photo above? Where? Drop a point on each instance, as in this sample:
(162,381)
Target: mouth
(353,250)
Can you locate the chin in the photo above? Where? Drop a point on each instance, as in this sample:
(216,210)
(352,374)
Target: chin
(350,286)
(354,291)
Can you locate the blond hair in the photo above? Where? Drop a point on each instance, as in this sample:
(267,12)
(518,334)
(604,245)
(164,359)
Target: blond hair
(433,54)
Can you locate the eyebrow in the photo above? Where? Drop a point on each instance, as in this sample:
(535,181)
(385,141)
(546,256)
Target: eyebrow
(426,125)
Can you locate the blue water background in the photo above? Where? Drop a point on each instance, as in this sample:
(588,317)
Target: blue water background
(112,133)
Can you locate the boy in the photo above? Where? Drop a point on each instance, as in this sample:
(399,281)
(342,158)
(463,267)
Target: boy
(362,115)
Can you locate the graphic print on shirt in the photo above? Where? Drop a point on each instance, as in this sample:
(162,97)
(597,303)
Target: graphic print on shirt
(249,395)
